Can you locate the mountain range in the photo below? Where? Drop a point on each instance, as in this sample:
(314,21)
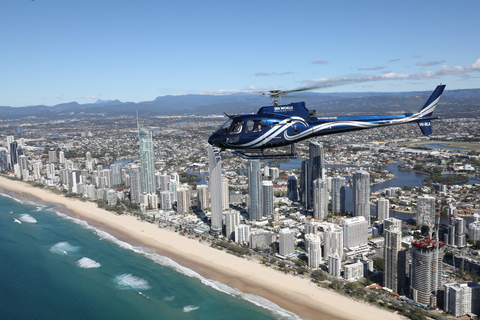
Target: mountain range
(454,103)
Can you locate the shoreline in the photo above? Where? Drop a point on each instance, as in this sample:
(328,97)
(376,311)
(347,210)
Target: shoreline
(294,294)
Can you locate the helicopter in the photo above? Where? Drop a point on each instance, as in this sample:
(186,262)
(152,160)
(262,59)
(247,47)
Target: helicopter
(249,135)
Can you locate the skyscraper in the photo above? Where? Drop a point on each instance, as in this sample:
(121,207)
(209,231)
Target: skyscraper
(215,185)
(183,201)
(305,185)
(426,277)
(286,239)
(426,211)
(255,189)
(338,194)
(320,199)
(147,161)
(361,195)
(225,194)
(394,270)
(232,220)
(314,250)
(382,209)
(267,198)
(202,197)
(333,242)
(135,184)
(355,232)
(292,191)
(316,167)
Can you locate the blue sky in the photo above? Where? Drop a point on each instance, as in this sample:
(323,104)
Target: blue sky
(58,51)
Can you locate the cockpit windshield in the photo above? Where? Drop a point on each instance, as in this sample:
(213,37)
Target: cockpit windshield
(237,127)
(224,128)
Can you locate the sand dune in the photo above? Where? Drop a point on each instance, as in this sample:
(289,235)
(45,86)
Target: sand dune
(295,294)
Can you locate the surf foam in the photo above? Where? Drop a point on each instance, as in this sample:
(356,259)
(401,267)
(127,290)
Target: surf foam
(27,218)
(88,263)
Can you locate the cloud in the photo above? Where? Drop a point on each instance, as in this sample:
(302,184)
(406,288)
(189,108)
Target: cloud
(429,63)
(91,96)
(58,96)
(320,62)
(267,74)
(458,71)
(372,68)
(393,60)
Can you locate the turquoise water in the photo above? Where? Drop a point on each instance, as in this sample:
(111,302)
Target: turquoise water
(56,267)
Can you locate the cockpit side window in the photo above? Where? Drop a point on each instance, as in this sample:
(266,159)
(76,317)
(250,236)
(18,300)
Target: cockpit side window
(237,127)
(254,126)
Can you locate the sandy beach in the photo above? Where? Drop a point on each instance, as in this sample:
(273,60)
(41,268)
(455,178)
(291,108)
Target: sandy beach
(295,294)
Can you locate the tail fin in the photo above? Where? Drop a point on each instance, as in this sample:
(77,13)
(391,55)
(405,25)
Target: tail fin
(426,127)
(431,103)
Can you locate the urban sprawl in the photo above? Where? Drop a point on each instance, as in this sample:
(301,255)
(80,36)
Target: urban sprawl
(296,219)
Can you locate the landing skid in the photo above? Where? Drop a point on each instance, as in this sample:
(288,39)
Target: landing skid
(253,154)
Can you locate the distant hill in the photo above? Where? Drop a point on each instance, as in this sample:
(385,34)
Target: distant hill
(454,103)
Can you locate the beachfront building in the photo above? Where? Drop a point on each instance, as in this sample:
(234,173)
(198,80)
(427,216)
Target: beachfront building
(333,242)
(135,184)
(261,240)
(225,194)
(361,195)
(242,233)
(338,194)
(335,265)
(286,239)
(232,220)
(313,247)
(354,271)
(462,298)
(166,200)
(426,274)
(183,200)
(383,209)
(202,197)
(215,184)
(474,231)
(426,211)
(355,232)
(147,162)
(320,199)
(254,190)
(310,228)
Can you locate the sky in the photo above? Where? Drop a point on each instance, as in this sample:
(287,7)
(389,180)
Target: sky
(59,51)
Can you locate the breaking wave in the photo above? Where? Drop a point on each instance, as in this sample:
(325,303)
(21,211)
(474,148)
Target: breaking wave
(63,248)
(127,281)
(27,218)
(88,263)
(190,308)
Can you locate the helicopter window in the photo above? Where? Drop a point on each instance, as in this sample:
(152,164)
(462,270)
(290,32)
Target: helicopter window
(224,128)
(237,127)
(254,126)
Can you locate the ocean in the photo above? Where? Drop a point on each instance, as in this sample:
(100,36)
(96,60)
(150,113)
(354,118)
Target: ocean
(53,266)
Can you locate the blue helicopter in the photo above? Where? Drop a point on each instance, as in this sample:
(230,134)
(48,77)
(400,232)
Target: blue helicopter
(248,135)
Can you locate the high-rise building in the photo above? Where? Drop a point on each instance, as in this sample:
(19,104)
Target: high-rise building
(305,185)
(88,156)
(474,231)
(267,198)
(320,199)
(61,156)
(292,185)
(333,242)
(314,250)
(242,233)
(52,155)
(135,184)
(232,220)
(147,161)
(286,239)
(183,200)
(311,228)
(254,190)
(426,211)
(166,200)
(335,265)
(383,209)
(316,166)
(225,194)
(215,185)
(338,194)
(274,173)
(10,139)
(163,183)
(355,232)
(361,195)
(394,269)
(426,274)
(202,197)
(462,298)
(4,160)
(117,174)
